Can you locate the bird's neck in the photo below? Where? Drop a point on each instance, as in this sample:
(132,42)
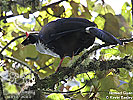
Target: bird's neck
(44,49)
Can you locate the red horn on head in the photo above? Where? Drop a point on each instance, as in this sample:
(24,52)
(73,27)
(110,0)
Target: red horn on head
(27,34)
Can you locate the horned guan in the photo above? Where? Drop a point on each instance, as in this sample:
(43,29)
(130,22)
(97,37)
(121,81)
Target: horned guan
(68,37)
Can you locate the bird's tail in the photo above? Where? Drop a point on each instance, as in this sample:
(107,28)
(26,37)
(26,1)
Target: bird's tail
(103,35)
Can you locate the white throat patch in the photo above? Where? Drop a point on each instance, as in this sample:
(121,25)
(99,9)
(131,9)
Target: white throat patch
(44,50)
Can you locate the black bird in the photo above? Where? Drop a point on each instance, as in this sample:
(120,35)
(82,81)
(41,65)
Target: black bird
(68,37)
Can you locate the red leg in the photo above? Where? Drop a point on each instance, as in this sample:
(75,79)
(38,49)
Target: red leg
(60,64)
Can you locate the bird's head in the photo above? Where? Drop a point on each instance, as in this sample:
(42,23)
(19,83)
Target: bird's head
(30,39)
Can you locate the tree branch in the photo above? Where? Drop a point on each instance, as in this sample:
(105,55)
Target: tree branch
(16,60)
(68,91)
(42,9)
(93,65)
(55,3)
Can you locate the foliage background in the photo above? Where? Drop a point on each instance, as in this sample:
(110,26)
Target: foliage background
(15,77)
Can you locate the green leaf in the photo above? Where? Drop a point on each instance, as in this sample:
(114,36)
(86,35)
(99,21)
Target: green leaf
(109,9)
(57,10)
(0,10)
(77,1)
(103,9)
(11,88)
(108,53)
(126,12)
(26,15)
(74,88)
(75,7)
(125,28)
(90,4)
(86,13)
(127,49)
(111,24)
(100,22)
(84,76)
(27,51)
(112,51)
(55,96)
(14,9)
(1,69)
(107,83)
(21,9)
(131,84)
(123,74)
(68,11)
(43,14)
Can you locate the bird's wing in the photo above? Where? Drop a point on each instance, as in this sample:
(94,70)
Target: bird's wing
(60,34)
(103,35)
(56,29)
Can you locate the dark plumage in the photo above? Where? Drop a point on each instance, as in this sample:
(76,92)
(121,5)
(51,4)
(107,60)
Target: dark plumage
(68,37)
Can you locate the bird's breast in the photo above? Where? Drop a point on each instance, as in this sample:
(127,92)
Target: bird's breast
(45,50)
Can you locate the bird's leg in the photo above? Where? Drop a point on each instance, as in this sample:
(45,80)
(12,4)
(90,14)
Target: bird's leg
(72,56)
(60,64)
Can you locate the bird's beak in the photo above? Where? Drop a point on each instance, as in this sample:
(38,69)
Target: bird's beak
(25,42)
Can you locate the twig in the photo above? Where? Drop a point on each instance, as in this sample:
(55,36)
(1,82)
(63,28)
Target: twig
(11,42)
(68,91)
(22,63)
(55,3)
(16,60)
(51,14)
(44,67)
(42,9)
(127,40)
(15,23)
(132,11)
(38,21)
(103,2)
(34,71)
(1,89)
(4,17)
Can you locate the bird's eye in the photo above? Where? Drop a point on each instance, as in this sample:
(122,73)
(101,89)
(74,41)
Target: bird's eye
(28,39)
